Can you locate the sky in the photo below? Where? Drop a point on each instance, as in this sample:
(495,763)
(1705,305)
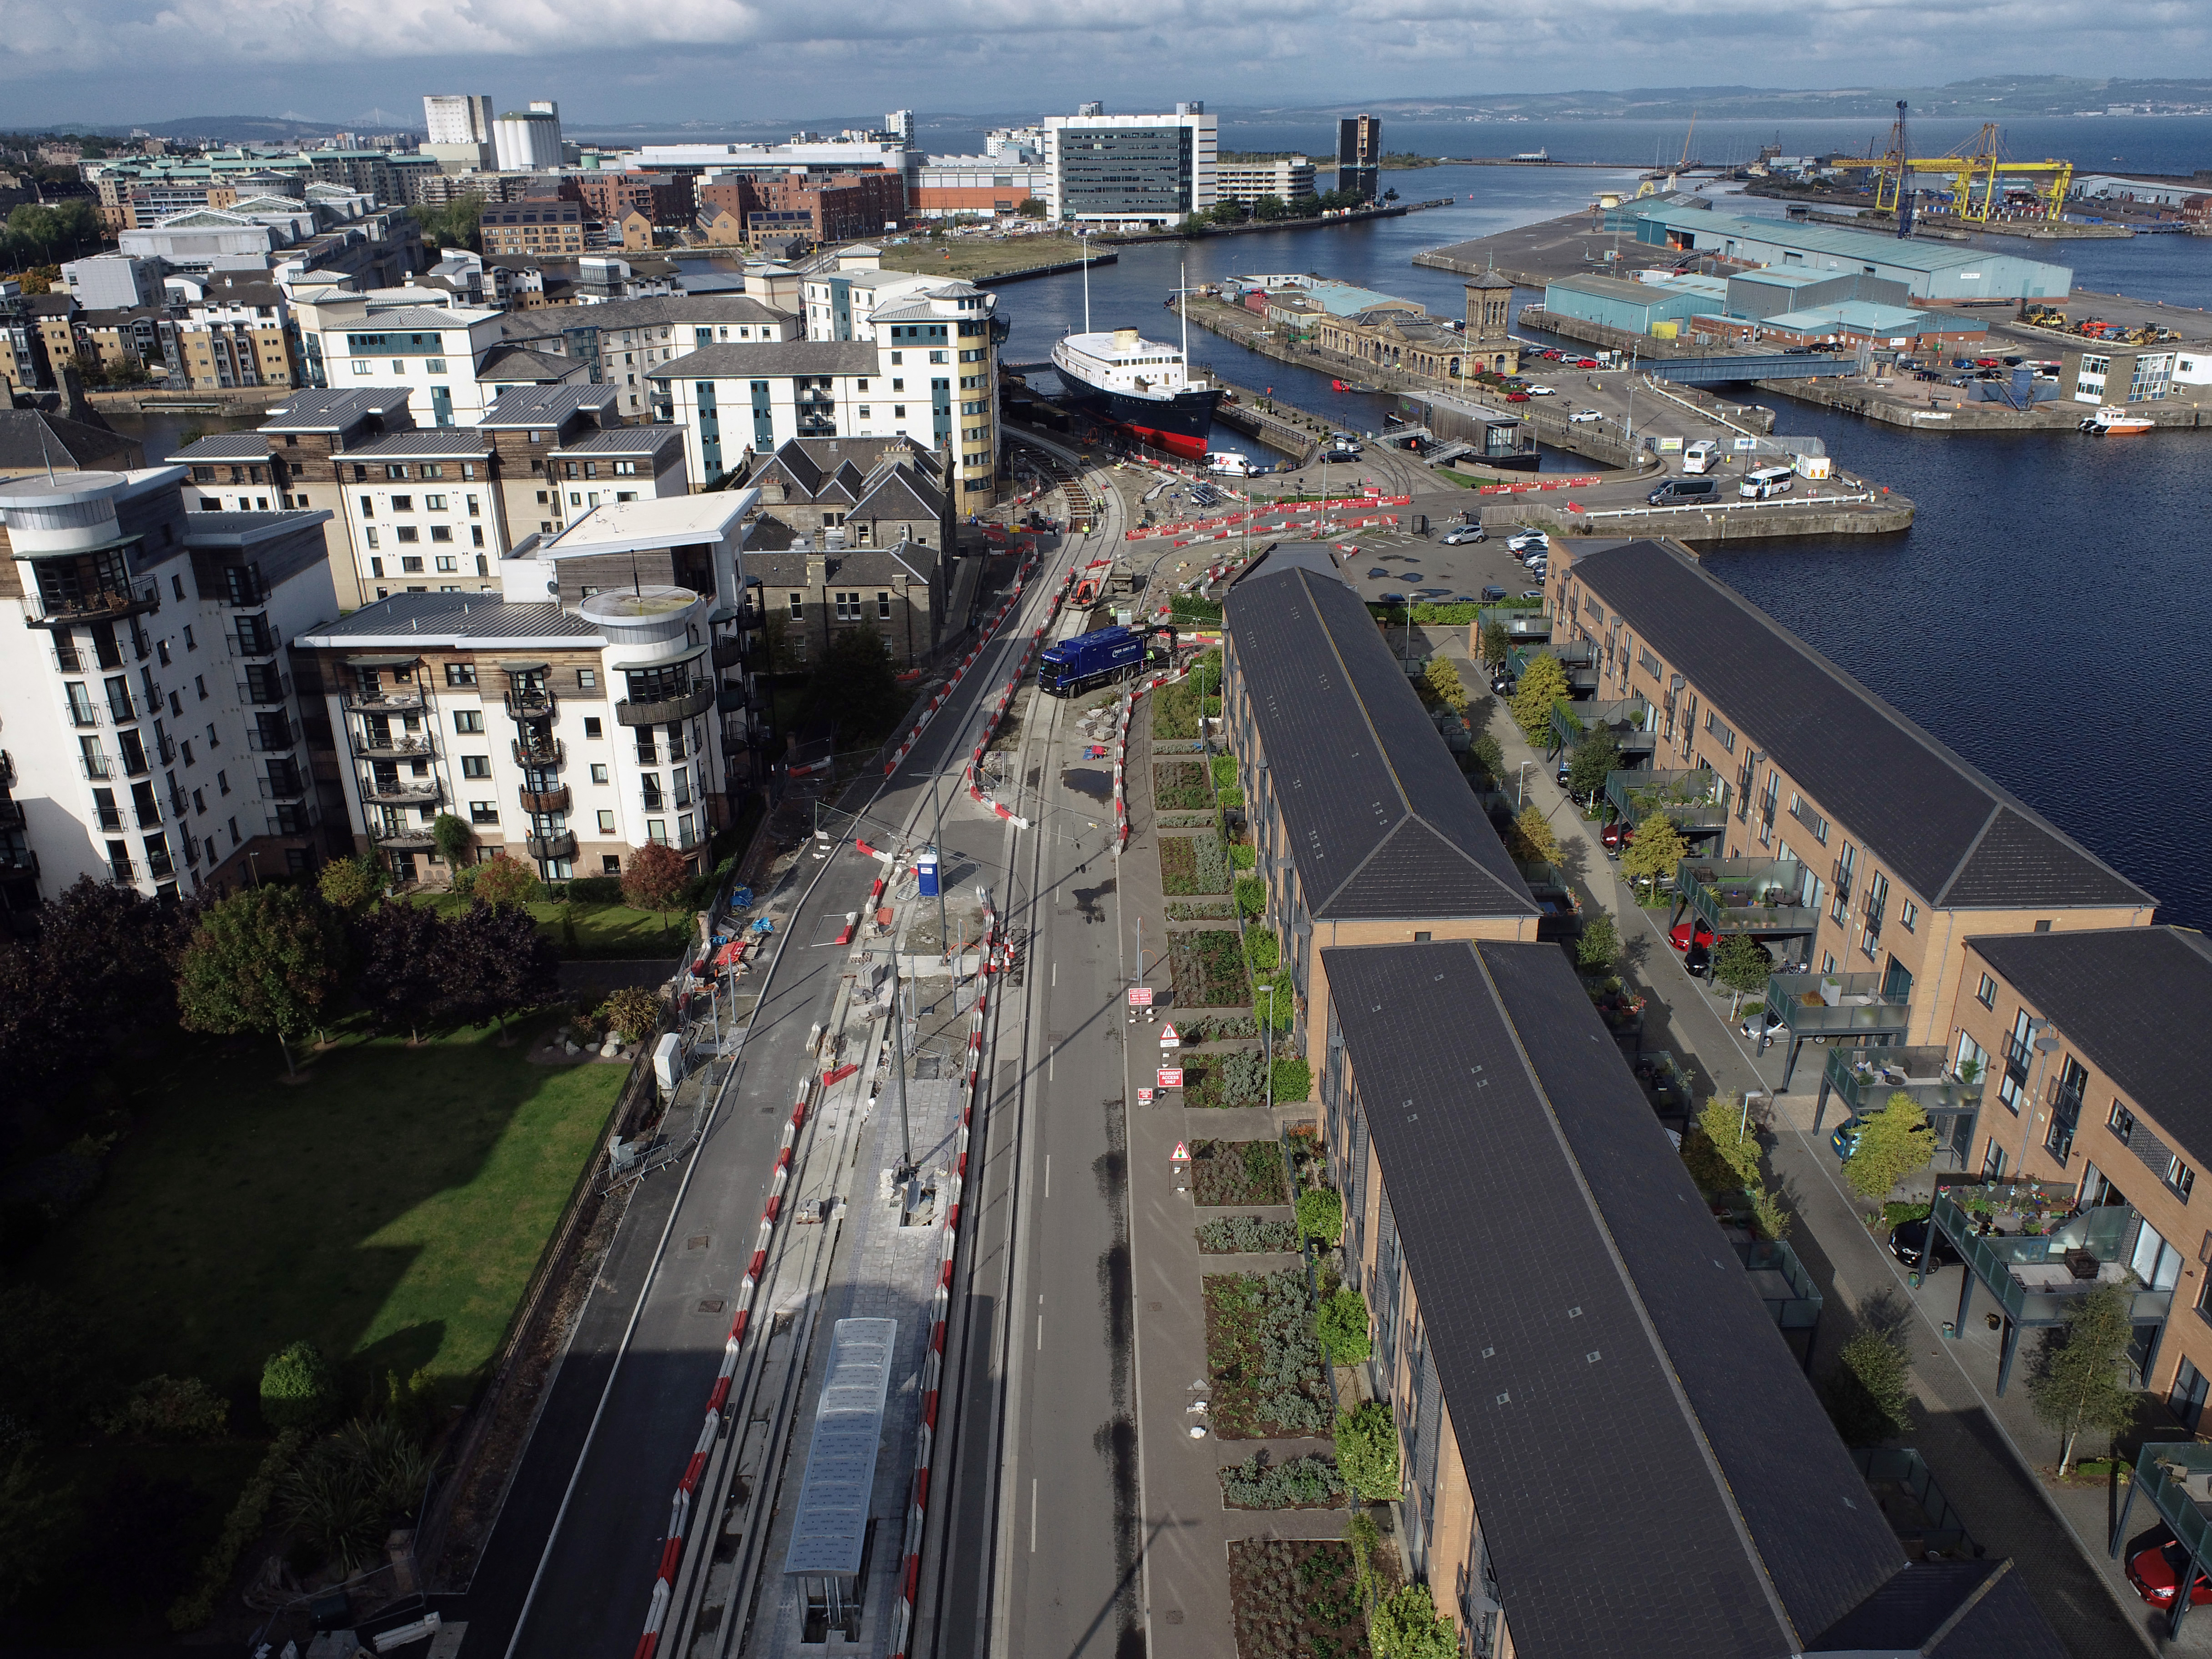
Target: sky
(113,61)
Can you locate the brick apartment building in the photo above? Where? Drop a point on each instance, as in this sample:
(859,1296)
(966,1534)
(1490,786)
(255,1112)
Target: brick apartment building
(666,199)
(830,208)
(535,225)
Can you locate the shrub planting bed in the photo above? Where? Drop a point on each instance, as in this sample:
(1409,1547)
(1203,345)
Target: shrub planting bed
(1295,1598)
(1244,1235)
(1240,1173)
(1263,1357)
(1208,969)
(1302,1483)
(1193,864)
(1180,786)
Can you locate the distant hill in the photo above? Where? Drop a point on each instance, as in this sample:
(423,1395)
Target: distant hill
(229,129)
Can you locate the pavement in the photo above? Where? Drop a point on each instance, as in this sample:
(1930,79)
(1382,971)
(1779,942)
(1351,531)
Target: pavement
(1986,1453)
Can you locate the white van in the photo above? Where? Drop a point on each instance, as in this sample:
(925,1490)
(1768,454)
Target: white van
(1767,481)
(1228,462)
(1701,456)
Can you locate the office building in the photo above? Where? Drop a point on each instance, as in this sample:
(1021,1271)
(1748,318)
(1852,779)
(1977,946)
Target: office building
(1623,1332)
(1287,178)
(1130,169)
(1359,154)
(155,738)
(570,720)
(949,186)
(1359,842)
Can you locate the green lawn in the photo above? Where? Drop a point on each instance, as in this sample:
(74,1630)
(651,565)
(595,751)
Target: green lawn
(604,931)
(392,1208)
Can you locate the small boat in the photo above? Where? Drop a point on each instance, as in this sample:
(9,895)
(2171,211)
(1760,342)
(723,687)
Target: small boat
(2110,423)
(1340,385)
(1362,385)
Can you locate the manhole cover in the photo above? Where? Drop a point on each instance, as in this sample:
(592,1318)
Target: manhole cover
(1152,1307)
(1175,1616)
(697,1242)
(710,1304)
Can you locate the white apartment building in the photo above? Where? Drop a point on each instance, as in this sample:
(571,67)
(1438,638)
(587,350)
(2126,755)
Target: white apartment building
(1130,169)
(449,358)
(630,338)
(1289,179)
(570,719)
(155,737)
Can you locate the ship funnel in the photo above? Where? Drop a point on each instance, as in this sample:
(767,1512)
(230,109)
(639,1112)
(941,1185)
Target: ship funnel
(1125,339)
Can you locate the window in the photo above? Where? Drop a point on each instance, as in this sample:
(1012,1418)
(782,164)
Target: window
(402,503)
(222,783)
(606,824)
(433,365)
(411,565)
(432,503)
(444,562)
(883,607)
(609,864)
(2122,1123)
(591,726)
(587,679)
(460,673)
(468,720)
(408,533)
(476,766)
(848,607)
(1986,992)
(442,532)
(598,774)
(370,534)
(361,366)
(2179,1178)
(483,812)
(1907,914)
(797,605)
(190,643)
(199,684)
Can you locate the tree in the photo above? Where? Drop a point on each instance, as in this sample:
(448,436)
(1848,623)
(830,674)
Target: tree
(1534,841)
(503,882)
(1657,850)
(1489,756)
(2076,1386)
(404,966)
(1742,964)
(1600,945)
(655,880)
(1497,643)
(1032,207)
(1869,1393)
(1594,758)
(1443,678)
(1891,1143)
(297,1389)
(1404,1625)
(267,959)
(501,963)
(454,225)
(453,837)
(1367,1451)
(351,885)
(1341,1324)
(1320,1214)
(1543,683)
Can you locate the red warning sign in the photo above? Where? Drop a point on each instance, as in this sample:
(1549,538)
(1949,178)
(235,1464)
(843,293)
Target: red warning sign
(1141,996)
(1171,1077)
(1167,1037)
(1181,1153)
(1143,1097)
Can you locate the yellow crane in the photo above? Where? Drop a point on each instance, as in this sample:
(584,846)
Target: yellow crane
(1978,175)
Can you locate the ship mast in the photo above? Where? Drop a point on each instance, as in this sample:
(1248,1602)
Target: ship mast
(1182,305)
(1087,282)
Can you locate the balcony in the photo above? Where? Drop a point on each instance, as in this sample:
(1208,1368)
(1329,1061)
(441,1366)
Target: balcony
(531,703)
(11,812)
(2036,1277)
(1690,799)
(246,591)
(1522,627)
(550,752)
(245,642)
(294,820)
(166,747)
(1756,896)
(266,687)
(399,791)
(1629,719)
(17,861)
(97,766)
(726,651)
(403,837)
(83,715)
(373,745)
(1829,1006)
(1864,1079)
(110,818)
(2175,1478)
(276,737)
(67,658)
(555,799)
(124,872)
(563,846)
(98,604)
(1792,1299)
(282,782)
(696,699)
(383,700)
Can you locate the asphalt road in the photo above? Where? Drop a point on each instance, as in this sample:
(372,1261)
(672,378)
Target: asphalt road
(605,1459)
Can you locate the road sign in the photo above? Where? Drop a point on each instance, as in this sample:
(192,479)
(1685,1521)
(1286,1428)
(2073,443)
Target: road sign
(1182,1154)
(1141,996)
(1171,1077)
(1169,1038)
(1143,1097)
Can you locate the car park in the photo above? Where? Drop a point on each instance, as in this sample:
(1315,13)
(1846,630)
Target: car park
(1464,534)
(1584,417)
(1584,363)
(1523,540)
(1517,397)
(1543,391)
(1676,492)
(1532,593)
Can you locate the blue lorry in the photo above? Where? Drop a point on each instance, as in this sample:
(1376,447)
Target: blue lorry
(1084,660)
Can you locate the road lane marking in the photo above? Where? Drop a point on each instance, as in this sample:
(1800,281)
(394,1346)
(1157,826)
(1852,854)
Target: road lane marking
(1033,1509)
(1047,1174)
(1040,1333)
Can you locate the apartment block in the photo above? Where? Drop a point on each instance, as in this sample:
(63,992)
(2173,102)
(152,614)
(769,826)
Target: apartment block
(155,737)
(447,358)
(628,338)
(571,718)
(1287,178)
(538,225)
(1622,1332)
(233,331)
(1882,852)
(112,282)
(1366,829)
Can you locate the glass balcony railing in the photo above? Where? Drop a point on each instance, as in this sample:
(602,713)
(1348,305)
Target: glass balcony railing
(1690,799)
(1781,1282)
(1866,1077)
(2037,1277)
(1837,1004)
(1746,895)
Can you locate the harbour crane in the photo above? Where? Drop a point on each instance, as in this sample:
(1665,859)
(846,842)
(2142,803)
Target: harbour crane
(1977,171)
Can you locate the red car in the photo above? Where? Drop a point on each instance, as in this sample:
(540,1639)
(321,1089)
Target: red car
(1585,362)
(2159,1568)
(1617,835)
(1683,938)
(1517,397)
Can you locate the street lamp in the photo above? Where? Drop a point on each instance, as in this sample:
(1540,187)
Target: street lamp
(1267,1045)
(1521,787)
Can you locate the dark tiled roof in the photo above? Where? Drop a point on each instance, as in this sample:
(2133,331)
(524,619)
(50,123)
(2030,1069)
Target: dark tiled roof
(437,442)
(520,362)
(1948,1610)
(31,438)
(428,618)
(1379,817)
(852,564)
(538,406)
(1958,838)
(2136,1001)
(740,358)
(1619,1392)
(224,447)
(333,411)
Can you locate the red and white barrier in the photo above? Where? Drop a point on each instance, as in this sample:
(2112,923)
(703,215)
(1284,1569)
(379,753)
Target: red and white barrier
(1229,520)
(1535,483)
(990,628)
(679,1514)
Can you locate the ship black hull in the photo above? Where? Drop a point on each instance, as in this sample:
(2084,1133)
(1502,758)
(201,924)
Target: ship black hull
(1182,426)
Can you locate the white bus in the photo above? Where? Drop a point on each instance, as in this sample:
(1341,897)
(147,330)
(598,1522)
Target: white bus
(1765,481)
(1701,456)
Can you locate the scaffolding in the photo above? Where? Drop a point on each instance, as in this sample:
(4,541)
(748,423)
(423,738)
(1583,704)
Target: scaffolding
(1979,172)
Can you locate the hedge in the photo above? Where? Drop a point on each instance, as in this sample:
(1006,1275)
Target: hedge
(240,1527)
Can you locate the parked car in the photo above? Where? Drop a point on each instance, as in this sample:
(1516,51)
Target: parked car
(1532,593)
(1517,397)
(1464,534)
(1687,933)
(1543,391)
(1502,683)
(1584,417)
(1844,1140)
(1583,363)
(2156,1571)
(1763,1026)
(1566,766)
(1492,593)
(1616,836)
(1698,960)
(1909,1241)
(1677,491)
(1524,540)
(1390,598)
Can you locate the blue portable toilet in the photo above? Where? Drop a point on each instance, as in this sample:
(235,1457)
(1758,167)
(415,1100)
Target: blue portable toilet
(925,869)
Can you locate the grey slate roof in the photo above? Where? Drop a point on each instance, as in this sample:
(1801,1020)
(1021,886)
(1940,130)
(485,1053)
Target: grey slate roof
(1957,837)
(31,438)
(1948,1610)
(740,359)
(851,564)
(527,407)
(224,447)
(511,362)
(425,619)
(1651,1471)
(2136,1001)
(310,410)
(1380,819)
(436,442)
(625,440)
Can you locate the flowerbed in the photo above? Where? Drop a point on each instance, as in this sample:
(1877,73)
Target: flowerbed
(1266,1363)
(1208,969)
(1246,1235)
(1193,864)
(1295,1598)
(1179,786)
(1243,1173)
(1304,1483)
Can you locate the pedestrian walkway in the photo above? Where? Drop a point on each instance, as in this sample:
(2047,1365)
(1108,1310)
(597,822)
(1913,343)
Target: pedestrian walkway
(1980,1448)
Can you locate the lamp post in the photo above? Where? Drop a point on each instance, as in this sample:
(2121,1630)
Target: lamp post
(1267,1046)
